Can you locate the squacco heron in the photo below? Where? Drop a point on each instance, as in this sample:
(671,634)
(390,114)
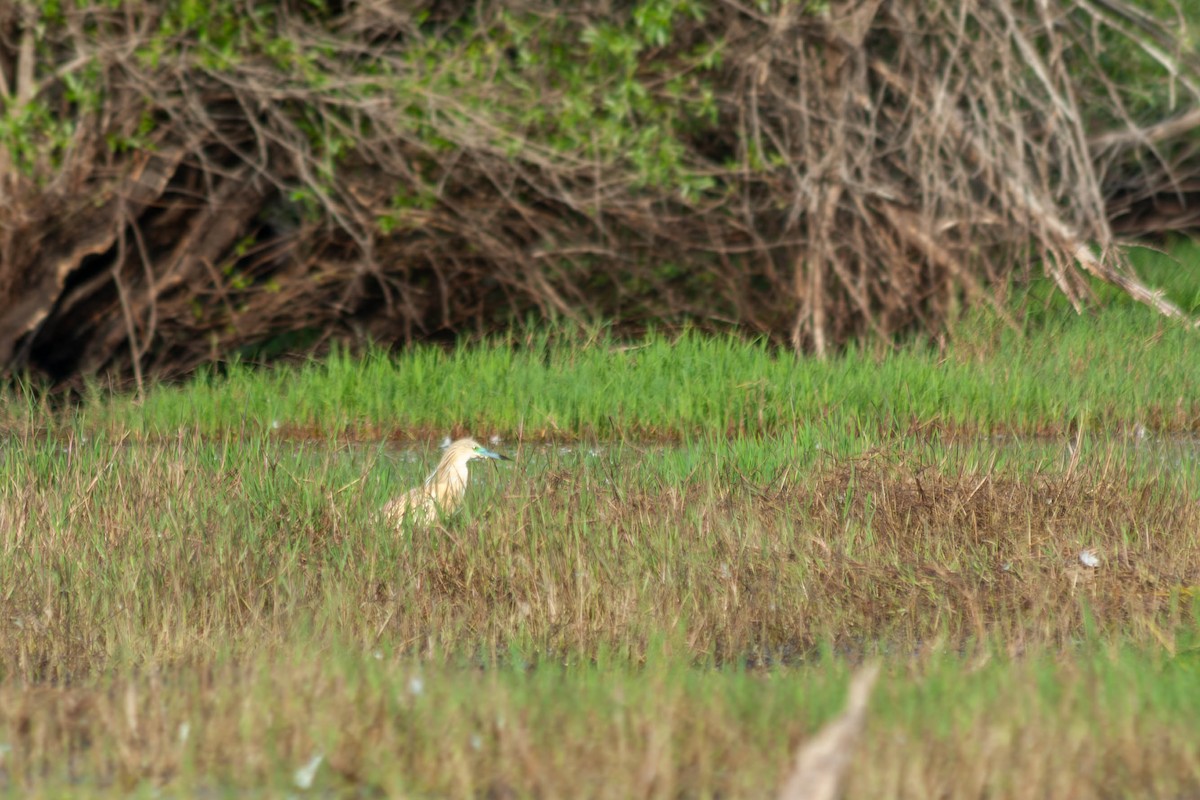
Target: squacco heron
(442,491)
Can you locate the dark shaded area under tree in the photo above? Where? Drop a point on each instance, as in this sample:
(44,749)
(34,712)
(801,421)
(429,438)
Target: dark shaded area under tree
(179,185)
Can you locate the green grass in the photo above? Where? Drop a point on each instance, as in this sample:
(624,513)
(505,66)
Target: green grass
(1117,367)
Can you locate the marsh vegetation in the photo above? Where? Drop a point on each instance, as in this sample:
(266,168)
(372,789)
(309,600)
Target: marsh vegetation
(641,619)
(608,240)
(662,596)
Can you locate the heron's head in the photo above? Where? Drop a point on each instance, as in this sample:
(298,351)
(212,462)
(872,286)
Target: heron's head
(471,450)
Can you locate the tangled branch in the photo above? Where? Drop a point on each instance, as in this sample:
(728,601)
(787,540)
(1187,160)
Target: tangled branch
(178,190)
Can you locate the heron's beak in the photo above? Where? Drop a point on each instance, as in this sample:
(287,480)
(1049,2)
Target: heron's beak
(493,454)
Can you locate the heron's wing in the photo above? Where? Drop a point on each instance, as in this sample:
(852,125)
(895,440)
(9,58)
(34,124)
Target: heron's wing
(415,505)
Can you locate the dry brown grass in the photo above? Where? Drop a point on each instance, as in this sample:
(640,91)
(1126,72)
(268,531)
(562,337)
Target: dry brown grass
(160,553)
(989,552)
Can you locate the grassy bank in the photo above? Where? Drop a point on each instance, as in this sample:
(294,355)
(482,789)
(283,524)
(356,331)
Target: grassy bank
(1115,368)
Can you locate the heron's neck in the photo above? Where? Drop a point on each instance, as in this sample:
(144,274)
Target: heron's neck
(449,479)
